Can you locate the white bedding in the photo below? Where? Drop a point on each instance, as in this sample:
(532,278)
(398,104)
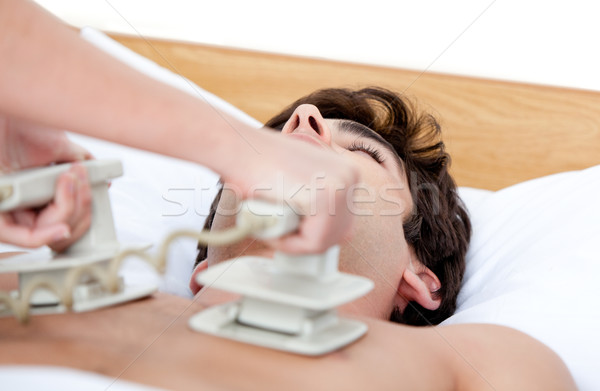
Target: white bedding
(532,263)
(48,378)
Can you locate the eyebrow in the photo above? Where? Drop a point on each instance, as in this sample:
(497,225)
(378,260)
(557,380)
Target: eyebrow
(362,131)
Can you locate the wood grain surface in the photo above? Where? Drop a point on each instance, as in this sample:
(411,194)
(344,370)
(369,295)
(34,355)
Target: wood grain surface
(499,133)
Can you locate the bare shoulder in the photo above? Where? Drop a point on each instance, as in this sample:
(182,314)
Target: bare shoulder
(486,356)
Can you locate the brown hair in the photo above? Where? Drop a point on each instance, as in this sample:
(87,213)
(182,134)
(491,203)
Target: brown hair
(439,228)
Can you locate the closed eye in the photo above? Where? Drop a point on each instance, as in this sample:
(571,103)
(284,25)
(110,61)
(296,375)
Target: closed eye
(369,150)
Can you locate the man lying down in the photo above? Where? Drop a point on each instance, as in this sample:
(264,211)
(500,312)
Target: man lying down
(412,230)
(410,237)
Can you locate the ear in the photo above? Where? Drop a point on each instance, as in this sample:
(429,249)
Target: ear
(194,286)
(420,287)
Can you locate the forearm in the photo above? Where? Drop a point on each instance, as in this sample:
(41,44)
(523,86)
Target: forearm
(50,75)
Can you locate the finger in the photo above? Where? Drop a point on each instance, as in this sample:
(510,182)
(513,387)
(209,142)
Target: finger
(63,206)
(299,243)
(32,237)
(81,214)
(25,218)
(315,235)
(73,152)
(77,231)
(52,224)
(83,204)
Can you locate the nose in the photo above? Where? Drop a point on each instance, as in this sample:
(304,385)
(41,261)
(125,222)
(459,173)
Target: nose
(307,119)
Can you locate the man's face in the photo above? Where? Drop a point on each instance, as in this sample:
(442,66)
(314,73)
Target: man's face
(381,202)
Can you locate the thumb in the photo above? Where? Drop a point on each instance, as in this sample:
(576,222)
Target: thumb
(73,152)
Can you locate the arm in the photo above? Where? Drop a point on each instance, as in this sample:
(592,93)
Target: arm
(51,76)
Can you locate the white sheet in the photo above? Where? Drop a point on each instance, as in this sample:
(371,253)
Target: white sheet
(47,378)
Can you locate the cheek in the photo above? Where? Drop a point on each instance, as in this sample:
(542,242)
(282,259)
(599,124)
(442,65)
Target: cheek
(379,194)
(376,246)
(378,252)
(379,207)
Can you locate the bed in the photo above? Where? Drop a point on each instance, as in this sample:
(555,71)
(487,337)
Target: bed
(501,136)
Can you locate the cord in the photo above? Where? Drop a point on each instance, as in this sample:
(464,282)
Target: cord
(251,224)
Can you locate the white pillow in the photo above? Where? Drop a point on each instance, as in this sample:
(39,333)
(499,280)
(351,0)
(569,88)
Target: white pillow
(533,265)
(54,378)
(150,68)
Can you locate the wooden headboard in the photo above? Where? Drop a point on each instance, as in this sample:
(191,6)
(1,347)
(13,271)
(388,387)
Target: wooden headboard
(498,133)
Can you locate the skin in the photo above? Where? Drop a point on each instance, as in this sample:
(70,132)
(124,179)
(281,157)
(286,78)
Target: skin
(68,216)
(382,202)
(149,342)
(40,56)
